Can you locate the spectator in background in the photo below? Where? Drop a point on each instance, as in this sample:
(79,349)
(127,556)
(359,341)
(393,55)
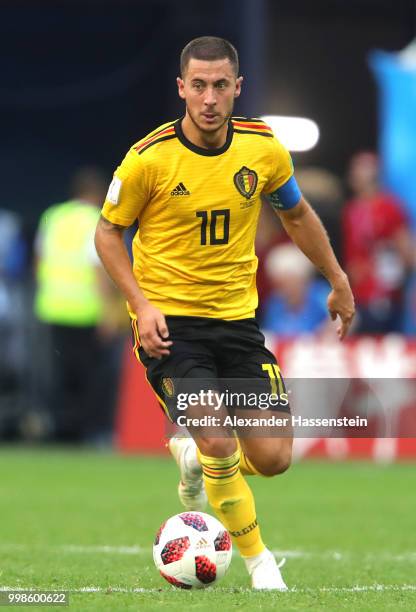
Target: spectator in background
(377,248)
(72,293)
(297,304)
(409,319)
(13,361)
(270,233)
(324,191)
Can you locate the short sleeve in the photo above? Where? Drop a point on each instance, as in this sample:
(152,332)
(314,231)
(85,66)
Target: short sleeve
(129,191)
(281,167)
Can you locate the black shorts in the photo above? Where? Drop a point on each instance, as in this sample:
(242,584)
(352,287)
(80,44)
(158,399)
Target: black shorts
(210,350)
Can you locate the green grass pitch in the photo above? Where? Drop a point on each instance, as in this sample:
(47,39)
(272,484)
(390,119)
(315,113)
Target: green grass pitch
(81,520)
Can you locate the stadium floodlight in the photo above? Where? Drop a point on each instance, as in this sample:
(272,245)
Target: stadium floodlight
(295,133)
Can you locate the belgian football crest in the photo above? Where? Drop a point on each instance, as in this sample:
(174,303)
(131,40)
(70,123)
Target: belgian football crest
(246,181)
(167,387)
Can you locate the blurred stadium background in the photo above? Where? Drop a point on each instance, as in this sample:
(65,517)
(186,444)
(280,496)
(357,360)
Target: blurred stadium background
(82,81)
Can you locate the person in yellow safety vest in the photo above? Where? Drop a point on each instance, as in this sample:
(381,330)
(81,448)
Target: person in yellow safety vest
(82,311)
(68,291)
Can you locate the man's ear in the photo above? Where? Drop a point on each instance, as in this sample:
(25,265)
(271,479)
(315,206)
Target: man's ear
(181,87)
(238,83)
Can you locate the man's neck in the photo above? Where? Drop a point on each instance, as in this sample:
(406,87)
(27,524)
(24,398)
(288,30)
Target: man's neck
(205,140)
(88,199)
(368,192)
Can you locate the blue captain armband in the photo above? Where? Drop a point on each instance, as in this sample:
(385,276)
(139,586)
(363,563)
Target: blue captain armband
(286,196)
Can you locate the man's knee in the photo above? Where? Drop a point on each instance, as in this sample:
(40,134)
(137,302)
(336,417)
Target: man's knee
(217,447)
(272,464)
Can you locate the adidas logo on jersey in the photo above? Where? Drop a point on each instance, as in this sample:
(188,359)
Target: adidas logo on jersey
(180,190)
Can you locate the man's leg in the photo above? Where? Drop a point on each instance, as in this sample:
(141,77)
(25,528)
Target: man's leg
(219,456)
(191,489)
(267,456)
(231,498)
(228,492)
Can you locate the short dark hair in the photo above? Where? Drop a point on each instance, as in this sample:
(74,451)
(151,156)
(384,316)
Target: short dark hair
(88,179)
(209,48)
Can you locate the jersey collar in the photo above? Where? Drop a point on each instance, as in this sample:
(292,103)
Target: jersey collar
(200,150)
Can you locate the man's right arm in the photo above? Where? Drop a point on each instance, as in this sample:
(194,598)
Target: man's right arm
(113,254)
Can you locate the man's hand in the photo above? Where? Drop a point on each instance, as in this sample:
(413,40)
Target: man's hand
(153,331)
(341,302)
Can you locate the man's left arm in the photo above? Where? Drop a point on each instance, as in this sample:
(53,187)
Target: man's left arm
(306,230)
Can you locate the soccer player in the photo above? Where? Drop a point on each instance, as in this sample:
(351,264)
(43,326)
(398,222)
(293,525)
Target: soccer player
(194,185)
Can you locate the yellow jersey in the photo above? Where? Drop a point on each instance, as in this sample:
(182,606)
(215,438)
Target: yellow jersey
(197,212)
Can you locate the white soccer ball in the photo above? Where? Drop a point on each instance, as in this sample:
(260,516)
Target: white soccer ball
(192,550)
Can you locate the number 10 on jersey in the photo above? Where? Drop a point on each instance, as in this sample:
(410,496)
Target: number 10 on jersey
(218,223)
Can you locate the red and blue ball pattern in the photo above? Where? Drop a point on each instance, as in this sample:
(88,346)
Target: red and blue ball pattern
(205,570)
(174,550)
(222,541)
(194,520)
(175,581)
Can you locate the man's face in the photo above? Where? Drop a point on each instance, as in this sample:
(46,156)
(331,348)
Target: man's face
(363,172)
(209,89)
